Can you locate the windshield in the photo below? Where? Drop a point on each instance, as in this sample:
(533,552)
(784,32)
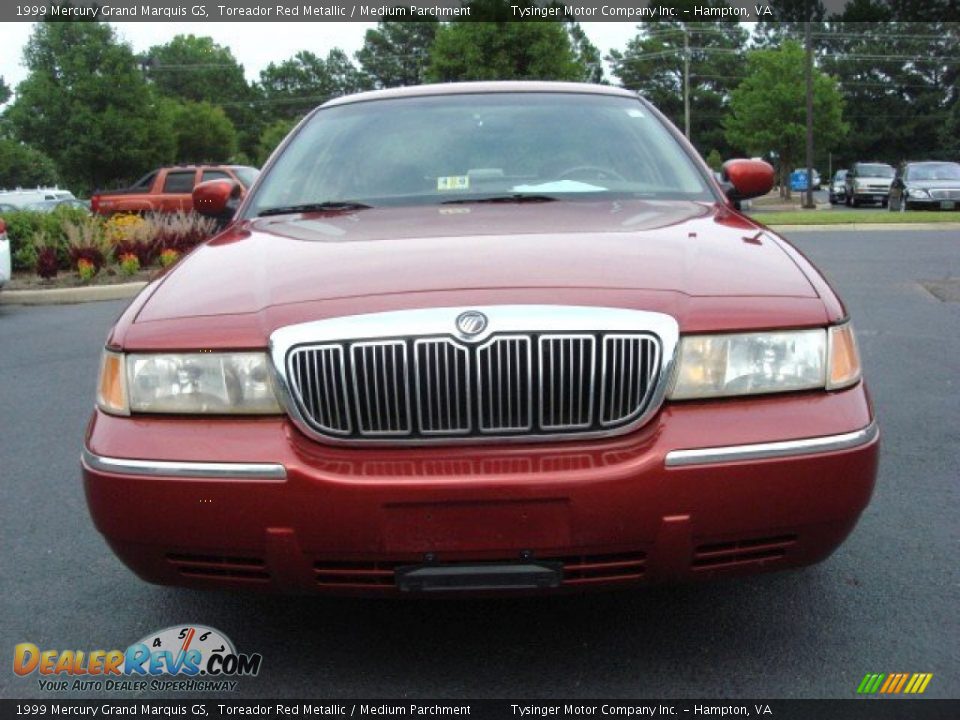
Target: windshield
(934,171)
(246,175)
(841,174)
(880,171)
(462,147)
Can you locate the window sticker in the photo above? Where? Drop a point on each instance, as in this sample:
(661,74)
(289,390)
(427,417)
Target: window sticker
(453,182)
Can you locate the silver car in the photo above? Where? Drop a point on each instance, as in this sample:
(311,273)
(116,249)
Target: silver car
(838,189)
(868,182)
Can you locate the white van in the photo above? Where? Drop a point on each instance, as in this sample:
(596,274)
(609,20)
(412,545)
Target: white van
(20,198)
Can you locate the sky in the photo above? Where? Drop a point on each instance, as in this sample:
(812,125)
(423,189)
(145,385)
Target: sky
(255,45)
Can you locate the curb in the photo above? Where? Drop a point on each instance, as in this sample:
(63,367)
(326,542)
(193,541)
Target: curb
(853,227)
(67,296)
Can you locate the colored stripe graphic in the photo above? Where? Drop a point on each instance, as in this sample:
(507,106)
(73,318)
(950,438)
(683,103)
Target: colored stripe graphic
(903,680)
(894,683)
(871,683)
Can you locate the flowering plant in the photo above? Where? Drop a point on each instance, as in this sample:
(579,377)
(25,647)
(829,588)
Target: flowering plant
(129,264)
(86,269)
(168,257)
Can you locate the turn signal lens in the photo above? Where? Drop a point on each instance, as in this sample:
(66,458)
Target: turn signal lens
(112,390)
(844,358)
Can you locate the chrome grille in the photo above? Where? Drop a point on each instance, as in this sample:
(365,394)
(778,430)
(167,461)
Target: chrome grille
(442,377)
(945,194)
(380,390)
(512,384)
(504,384)
(318,378)
(566,381)
(629,370)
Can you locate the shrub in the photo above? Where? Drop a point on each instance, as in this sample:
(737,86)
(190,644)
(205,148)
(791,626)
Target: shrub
(46,255)
(24,226)
(129,264)
(86,241)
(182,231)
(86,269)
(168,257)
(121,227)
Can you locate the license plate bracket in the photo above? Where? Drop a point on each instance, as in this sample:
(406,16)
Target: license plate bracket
(479,576)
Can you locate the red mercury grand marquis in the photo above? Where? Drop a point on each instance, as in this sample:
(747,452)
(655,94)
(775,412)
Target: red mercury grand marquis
(488,337)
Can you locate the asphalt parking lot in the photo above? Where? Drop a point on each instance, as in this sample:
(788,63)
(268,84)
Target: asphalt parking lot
(885,602)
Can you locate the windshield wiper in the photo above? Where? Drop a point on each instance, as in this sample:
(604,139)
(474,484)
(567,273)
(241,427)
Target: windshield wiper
(313,207)
(513,198)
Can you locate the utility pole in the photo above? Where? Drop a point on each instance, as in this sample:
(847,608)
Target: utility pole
(809,203)
(686,82)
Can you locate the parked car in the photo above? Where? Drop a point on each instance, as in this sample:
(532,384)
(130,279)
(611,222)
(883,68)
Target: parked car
(798,180)
(927,186)
(868,182)
(20,198)
(481,362)
(169,189)
(838,188)
(48,206)
(5,264)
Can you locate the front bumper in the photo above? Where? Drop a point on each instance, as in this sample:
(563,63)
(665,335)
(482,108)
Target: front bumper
(913,202)
(707,488)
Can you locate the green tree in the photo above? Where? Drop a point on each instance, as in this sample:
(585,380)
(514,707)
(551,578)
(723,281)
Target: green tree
(653,65)
(24,166)
(394,54)
(4,91)
(898,79)
(86,105)
(768,109)
(196,69)
(587,54)
(204,133)
(304,81)
(950,133)
(715,160)
(272,136)
(467,50)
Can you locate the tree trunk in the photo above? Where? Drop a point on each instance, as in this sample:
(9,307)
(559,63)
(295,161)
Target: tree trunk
(785,171)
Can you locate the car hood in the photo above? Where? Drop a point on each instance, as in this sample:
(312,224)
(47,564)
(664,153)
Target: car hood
(697,249)
(933,184)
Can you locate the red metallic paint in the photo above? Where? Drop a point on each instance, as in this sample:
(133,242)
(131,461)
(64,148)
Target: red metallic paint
(211,197)
(750,178)
(609,508)
(556,499)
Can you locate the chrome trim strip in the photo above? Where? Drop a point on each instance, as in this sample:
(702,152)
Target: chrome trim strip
(765,451)
(502,320)
(168,468)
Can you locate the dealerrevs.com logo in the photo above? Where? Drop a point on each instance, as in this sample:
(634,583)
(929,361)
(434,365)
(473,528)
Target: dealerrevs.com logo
(182,657)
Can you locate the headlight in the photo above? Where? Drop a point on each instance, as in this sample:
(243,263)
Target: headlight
(918,193)
(750,363)
(768,362)
(189,383)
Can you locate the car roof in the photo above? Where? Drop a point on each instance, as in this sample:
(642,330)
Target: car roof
(465,88)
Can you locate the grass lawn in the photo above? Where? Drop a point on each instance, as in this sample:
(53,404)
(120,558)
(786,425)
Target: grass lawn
(828,217)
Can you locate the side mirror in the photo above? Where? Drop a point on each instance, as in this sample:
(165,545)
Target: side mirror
(216,198)
(744,179)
